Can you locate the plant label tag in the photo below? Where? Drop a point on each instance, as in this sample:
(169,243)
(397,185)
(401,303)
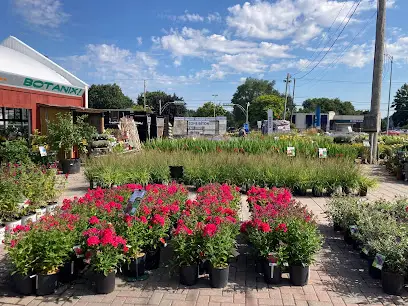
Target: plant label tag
(366,143)
(285,264)
(43,151)
(39,213)
(322,152)
(276,138)
(291,151)
(72,267)
(353,229)
(272,265)
(137,194)
(378,261)
(364,250)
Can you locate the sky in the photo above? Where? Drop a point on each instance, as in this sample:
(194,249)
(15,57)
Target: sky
(198,49)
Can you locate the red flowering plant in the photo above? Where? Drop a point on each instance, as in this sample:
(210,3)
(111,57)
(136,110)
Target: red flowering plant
(18,245)
(219,242)
(219,194)
(134,230)
(186,242)
(50,241)
(278,197)
(104,248)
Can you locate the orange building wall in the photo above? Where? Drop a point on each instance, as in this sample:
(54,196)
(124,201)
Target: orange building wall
(30,99)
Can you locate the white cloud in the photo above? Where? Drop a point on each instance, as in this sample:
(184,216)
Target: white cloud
(193,17)
(42,13)
(139,40)
(214,17)
(399,49)
(177,63)
(301,20)
(357,56)
(191,42)
(247,63)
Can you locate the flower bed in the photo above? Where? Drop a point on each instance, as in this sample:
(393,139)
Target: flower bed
(282,233)
(300,174)
(378,229)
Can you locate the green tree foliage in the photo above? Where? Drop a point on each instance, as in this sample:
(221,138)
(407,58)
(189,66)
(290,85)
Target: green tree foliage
(248,92)
(258,108)
(108,96)
(400,104)
(207,110)
(153,99)
(327,105)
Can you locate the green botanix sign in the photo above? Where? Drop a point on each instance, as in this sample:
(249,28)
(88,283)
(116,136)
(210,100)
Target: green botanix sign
(52,87)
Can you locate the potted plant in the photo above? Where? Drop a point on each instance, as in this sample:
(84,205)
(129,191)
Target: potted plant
(106,250)
(134,230)
(64,135)
(52,242)
(18,245)
(10,197)
(155,238)
(392,260)
(266,240)
(186,248)
(218,247)
(303,242)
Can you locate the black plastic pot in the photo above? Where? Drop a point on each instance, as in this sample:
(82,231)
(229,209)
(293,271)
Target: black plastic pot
(300,191)
(189,275)
(363,192)
(317,192)
(337,227)
(68,272)
(272,274)
(392,283)
(204,267)
(259,264)
(135,268)
(347,237)
(357,244)
(23,284)
(70,166)
(46,284)
(373,271)
(219,277)
(299,275)
(176,172)
(152,259)
(104,284)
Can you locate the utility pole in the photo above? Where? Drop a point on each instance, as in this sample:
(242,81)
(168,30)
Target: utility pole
(377,79)
(293,100)
(215,105)
(286,94)
(144,94)
(389,95)
(247,110)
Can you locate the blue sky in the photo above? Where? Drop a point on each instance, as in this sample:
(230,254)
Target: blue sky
(200,48)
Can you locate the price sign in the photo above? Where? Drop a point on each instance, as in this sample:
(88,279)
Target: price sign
(322,152)
(43,151)
(290,151)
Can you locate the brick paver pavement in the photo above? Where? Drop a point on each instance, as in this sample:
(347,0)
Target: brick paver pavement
(339,276)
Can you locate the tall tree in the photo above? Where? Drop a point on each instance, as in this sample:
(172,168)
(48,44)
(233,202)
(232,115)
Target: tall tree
(327,105)
(153,99)
(207,110)
(258,108)
(109,96)
(248,92)
(400,104)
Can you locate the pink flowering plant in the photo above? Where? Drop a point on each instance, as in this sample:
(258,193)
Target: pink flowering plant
(186,243)
(104,249)
(18,245)
(134,230)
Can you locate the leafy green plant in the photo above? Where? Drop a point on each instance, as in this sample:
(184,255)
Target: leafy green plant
(14,151)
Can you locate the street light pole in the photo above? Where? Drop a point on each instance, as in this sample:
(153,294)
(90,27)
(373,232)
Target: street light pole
(160,108)
(214,97)
(247,109)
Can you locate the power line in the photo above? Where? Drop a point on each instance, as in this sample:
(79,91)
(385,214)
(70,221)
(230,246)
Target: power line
(321,40)
(327,52)
(342,53)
